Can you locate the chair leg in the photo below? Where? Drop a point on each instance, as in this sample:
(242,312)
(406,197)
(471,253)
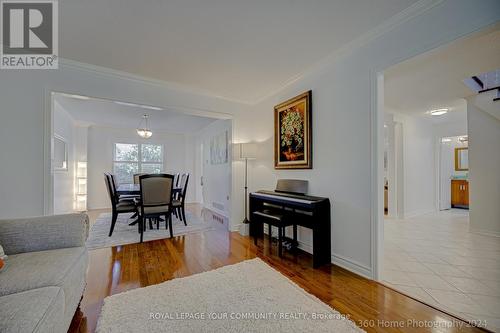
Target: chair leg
(280,241)
(294,235)
(183,215)
(170,226)
(113,221)
(150,224)
(179,213)
(135,215)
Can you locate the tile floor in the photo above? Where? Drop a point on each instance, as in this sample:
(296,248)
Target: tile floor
(434,258)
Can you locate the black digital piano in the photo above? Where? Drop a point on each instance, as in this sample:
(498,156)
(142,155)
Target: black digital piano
(290,202)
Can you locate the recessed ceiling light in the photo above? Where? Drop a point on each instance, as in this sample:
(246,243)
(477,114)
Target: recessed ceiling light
(445,140)
(139,106)
(438,112)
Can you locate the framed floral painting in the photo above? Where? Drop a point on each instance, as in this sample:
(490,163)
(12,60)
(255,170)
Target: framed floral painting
(293,133)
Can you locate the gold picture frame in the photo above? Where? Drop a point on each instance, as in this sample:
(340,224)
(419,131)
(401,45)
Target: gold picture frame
(293,133)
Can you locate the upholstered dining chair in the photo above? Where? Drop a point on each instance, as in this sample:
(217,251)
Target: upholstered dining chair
(136,177)
(123,197)
(156,200)
(179,202)
(117,206)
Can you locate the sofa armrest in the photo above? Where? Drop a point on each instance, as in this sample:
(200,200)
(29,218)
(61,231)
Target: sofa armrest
(43,233)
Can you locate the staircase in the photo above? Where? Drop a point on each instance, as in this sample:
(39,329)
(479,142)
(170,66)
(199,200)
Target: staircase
(487,87)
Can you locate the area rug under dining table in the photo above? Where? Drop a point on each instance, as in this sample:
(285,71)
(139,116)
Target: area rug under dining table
(246,297)
(126,234)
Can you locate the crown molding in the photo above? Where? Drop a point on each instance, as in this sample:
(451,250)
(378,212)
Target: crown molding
(106,71)
(418,8)
(414,10)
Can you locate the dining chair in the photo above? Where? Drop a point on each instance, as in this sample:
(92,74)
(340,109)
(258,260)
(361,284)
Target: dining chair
(136,177)
(156,200)
(118,206)
(122,196)
(179,202)
(176,179)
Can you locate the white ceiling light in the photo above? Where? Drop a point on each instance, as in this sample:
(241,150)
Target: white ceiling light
(463,139)
(438,112)
(148,107)
(445,140)
(143,130)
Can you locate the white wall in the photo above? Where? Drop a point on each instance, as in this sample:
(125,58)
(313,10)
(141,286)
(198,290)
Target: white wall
(64,127)
(420,174)
(484,162)
(216,191)
(100,158)
(343,90)
(343,113)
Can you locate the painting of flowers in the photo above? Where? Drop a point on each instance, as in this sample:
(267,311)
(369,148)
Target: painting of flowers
(292,122)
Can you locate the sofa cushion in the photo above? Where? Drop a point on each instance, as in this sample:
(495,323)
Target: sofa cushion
(33,270)
(37,310)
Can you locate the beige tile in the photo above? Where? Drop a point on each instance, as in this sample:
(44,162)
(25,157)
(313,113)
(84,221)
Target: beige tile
(431,281)
(443,260)
(398,277)
(445,270)
(491,303)
(428,258)
(414,267)
(485,321)
(482,273)
(417,293)
(471,286)
(456,301)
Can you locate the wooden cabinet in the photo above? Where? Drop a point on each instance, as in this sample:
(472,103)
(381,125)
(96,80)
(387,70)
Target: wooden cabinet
(459,193)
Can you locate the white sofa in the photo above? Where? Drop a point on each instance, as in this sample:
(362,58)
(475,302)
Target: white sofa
(44,277)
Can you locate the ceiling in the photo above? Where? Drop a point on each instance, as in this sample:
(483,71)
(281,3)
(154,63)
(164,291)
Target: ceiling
(110,114)
(435,79)
(237,49)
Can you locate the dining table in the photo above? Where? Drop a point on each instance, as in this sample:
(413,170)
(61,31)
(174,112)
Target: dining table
(135,189)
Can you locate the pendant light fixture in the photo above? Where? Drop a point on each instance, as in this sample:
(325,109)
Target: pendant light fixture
(143,130)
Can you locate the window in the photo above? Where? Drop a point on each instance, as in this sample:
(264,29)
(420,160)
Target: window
(130,158)
(60,154)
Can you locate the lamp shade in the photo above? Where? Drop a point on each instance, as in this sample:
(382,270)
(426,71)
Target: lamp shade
(246,150)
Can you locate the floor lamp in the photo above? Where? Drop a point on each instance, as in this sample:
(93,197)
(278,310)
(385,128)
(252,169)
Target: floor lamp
(246,151)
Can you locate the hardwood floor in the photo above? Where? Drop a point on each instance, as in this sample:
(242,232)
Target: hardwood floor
(370,305)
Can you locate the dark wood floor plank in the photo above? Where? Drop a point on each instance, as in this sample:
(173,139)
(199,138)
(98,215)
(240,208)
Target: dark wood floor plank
(117,269)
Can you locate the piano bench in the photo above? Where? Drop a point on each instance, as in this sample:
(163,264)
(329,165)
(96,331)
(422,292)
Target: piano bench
(279,219)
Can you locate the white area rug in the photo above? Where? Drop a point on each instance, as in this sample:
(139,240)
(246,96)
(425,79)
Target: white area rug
(246,297)
(125,234)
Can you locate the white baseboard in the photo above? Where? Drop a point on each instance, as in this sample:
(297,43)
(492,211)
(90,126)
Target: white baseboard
(352,266)
(343,262)
(217,211)
(338,260)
